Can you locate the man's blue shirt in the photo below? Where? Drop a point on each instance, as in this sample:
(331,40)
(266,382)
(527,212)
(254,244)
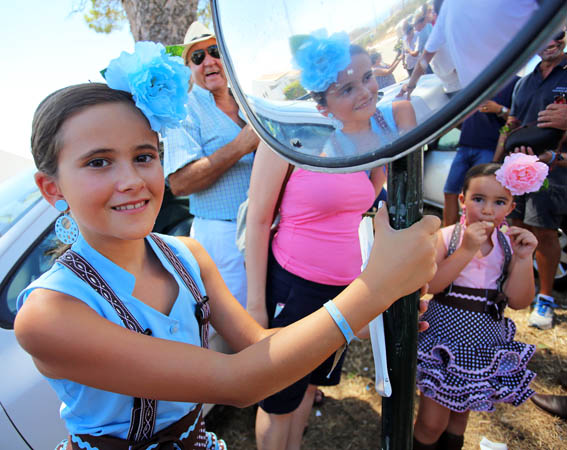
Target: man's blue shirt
(481,130)
(205,130)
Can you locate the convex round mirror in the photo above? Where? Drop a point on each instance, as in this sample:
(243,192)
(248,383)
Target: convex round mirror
(320,81)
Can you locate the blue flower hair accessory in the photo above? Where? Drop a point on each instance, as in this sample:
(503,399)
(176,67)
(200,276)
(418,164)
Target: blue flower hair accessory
(320,58)
(157,81)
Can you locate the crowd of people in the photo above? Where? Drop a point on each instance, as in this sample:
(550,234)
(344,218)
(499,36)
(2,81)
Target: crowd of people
(119,325)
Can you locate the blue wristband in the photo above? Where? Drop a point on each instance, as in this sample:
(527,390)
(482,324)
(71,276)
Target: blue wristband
(339,320)
(550,162)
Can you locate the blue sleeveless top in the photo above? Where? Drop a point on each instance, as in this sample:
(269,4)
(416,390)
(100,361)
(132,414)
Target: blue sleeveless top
(341,144)
(87,410)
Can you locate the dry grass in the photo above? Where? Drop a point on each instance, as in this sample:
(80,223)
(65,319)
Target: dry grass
(350,418)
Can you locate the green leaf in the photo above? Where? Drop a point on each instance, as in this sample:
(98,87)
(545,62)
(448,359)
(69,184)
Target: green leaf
(174,50)
(545,185)
(542,346)
(296,40)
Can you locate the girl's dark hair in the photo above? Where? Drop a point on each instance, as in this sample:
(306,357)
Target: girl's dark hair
(480,170)
(59,106)
(321,97)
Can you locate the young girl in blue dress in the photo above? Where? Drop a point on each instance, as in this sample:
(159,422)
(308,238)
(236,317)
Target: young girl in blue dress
(468,359)
(119,325)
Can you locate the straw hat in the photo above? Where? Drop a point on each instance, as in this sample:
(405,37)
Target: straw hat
(196,33)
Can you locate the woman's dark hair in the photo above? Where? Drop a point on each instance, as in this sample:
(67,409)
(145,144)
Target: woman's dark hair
(59,106)
(321,97)
(480,170)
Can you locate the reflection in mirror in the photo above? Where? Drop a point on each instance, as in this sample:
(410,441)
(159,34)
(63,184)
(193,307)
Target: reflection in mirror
(332,78)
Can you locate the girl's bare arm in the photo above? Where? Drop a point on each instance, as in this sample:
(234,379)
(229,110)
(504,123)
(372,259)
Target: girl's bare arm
(268,173)
(67,339)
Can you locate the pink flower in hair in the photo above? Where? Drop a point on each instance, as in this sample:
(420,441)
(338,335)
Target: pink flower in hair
(522,173)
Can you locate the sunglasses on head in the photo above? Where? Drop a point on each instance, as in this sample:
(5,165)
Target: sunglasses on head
(198,56)
(559,36)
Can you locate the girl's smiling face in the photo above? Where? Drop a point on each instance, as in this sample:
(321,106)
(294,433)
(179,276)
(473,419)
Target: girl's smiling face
(486,200)
(109,172)
(352,99)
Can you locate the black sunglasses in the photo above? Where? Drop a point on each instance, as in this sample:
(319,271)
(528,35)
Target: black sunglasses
(559,36)
(198,56)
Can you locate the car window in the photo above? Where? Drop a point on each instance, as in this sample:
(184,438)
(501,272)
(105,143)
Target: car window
(450,140)
(27,269)
(17,196)
(309,138)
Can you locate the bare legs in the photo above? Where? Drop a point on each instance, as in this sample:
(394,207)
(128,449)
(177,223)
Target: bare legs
(548,254)
(284,431)
(433,419)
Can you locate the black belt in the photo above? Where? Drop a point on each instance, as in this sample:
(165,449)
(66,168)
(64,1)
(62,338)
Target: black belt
(494,305)
(166,438)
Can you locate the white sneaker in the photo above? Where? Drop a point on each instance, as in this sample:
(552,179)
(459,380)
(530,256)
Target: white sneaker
(542,315)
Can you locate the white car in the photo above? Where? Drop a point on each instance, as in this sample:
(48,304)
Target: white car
(299,124)
(29,408)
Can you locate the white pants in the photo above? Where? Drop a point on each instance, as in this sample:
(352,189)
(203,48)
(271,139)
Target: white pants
(218,238)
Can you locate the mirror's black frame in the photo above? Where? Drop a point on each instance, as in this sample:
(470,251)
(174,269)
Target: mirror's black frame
(533,35)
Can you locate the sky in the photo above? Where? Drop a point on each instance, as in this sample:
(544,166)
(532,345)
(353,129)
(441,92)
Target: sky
(45,48)
(261,47)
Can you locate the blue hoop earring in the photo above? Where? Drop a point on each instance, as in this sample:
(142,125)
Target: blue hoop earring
(66,228)
(337,124)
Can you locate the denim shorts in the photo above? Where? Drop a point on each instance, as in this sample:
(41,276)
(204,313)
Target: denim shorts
(465,158)
(289,298)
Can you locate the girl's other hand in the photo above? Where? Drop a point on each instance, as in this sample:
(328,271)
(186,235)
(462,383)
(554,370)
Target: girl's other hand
(475,234)
(523,242)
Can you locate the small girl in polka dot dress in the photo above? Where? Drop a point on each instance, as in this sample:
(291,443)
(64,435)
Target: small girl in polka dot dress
(468,359)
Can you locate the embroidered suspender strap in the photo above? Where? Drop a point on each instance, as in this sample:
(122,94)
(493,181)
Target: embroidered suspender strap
(143,416)
(497,306)
(455,236)
(383,124)
(507,258)
(203,311)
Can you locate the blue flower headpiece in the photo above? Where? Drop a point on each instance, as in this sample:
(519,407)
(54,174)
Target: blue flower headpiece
(320,58)
(157,81)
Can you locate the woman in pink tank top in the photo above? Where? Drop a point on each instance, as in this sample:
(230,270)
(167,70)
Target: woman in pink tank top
(315,252)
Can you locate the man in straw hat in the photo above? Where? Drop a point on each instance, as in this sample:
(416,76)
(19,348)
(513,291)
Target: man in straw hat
(210,157)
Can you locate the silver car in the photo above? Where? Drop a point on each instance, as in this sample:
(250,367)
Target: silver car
(29,408)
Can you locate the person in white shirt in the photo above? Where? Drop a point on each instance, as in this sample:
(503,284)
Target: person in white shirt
(472,34)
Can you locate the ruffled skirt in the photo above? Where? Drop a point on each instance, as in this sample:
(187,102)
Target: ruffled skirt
(469,361)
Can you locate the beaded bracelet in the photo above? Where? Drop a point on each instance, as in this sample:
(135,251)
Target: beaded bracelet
(339,320)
